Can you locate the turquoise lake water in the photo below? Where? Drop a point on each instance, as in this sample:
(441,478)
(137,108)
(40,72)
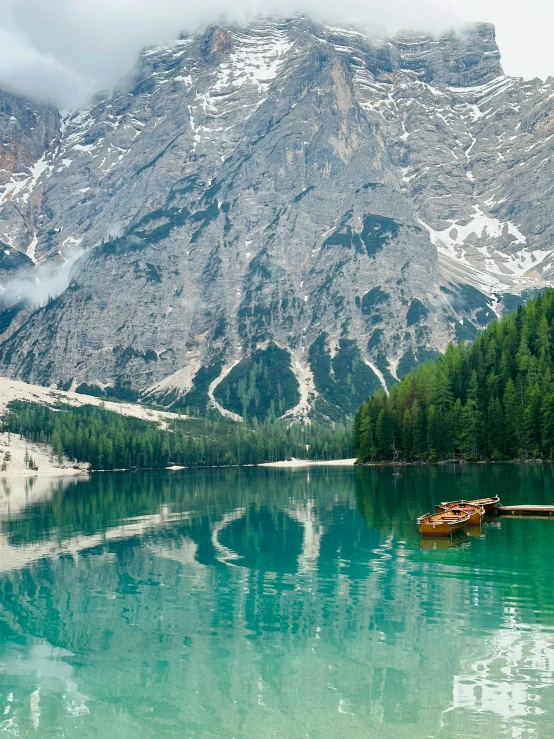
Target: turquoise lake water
(274,603)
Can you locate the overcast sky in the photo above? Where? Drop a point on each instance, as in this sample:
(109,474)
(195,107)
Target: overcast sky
(65,50)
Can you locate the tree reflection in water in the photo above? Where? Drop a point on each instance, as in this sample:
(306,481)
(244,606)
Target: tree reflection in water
(266,602)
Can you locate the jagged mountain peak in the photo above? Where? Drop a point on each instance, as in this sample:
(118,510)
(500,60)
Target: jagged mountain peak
(286,195)
(461,57)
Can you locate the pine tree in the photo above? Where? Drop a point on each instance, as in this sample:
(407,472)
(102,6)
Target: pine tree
(495,429)
(385,432)
(547,424)
(367,450)
(56,444)
(419,432)
(407,434)
(512,420)
(490,400)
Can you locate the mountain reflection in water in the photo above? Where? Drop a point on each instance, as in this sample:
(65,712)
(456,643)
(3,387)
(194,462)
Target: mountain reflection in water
(274,603)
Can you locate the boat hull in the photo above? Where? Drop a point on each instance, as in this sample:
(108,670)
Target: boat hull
(489,504)
(476,512)
(442,524)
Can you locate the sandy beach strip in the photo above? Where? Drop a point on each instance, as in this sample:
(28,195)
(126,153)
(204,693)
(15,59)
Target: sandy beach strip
(310,463)
(41,454)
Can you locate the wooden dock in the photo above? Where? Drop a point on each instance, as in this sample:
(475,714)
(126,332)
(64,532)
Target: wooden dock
(526,510)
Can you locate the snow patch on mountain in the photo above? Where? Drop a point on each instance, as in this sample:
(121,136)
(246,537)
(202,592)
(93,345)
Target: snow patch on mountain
(280,182)
(476,250)
(255,60)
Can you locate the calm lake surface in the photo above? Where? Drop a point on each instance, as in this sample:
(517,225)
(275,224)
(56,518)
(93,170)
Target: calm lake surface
(274,603)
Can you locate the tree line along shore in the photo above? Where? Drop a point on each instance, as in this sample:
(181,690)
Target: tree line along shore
(492,400)
(107,440)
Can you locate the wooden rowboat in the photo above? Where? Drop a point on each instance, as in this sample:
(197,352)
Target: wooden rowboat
(489,504)
(476,512)
(445,523)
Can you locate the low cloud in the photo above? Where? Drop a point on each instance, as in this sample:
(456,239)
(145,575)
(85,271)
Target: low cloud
(65,50)
(36,286)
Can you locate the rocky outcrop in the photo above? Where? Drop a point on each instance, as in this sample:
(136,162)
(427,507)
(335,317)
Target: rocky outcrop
(463,59)
(28,131)
(357,203)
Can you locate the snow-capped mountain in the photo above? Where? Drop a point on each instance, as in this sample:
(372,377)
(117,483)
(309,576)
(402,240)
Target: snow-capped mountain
(286,200)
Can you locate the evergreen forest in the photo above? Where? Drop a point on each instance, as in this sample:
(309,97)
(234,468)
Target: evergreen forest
(493,400)
(108,440)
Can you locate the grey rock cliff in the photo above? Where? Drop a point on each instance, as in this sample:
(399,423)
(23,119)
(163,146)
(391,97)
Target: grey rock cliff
(356,202)
(28,131)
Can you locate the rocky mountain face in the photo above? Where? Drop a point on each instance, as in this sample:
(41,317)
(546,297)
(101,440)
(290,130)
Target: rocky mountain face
(278,218)
(28,132)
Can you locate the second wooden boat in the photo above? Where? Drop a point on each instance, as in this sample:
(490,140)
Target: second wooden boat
(476,512)
(489,504)
(445,523)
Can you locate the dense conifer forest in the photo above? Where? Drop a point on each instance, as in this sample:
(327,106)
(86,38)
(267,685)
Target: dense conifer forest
(493,400)
(108,440)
